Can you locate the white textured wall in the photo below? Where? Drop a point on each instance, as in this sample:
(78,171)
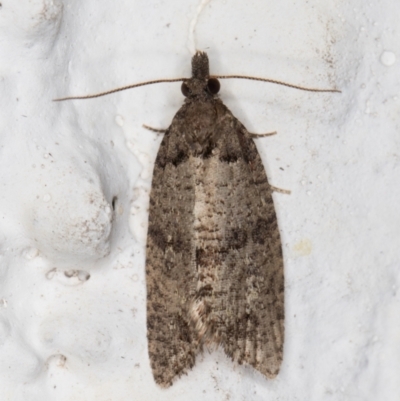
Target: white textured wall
(72,283)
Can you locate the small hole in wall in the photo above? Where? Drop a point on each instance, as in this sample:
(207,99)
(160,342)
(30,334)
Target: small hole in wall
(81,274)
(114,202)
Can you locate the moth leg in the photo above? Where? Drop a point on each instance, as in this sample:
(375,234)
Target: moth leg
(262,135)
(280,190)
(276,189)
(159,131)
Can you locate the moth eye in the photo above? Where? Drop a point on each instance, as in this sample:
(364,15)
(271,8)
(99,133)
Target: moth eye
(213,85)
(185,90)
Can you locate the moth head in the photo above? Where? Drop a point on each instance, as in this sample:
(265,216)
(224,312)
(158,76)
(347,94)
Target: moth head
(194,87)
(201,84)
(200,65)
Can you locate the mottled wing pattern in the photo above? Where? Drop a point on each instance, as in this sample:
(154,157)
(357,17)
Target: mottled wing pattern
(169,262)
(255,334)
(240,283)
(214,262)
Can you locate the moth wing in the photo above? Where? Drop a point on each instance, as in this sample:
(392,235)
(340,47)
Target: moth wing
(170,261)
(250,290)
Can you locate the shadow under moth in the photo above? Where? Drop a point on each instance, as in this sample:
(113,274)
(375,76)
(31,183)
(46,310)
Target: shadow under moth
(214,266)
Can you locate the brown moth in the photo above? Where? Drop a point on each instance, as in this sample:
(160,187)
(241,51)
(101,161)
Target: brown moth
(214,264)
(214,267)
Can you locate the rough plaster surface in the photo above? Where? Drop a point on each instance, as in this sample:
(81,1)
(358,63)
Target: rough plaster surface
(75,180)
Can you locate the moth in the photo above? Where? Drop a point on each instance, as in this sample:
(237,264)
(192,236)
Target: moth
(214,266)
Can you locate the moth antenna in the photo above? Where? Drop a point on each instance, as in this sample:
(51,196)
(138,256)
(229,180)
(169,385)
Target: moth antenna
(157,81)
(275,82)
